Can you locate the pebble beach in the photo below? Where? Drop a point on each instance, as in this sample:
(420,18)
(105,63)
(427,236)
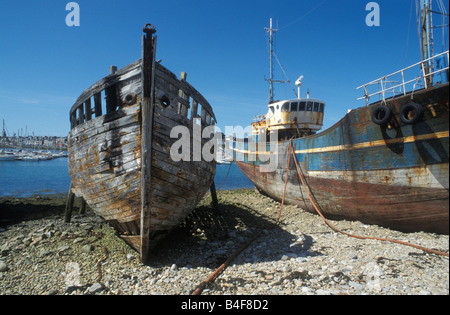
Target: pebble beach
(299,255)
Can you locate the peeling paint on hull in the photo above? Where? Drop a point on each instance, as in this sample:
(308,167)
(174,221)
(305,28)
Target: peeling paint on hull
(131,182)
(394,175)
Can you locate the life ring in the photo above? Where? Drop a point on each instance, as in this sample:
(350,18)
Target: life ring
(411,113)
(381,115)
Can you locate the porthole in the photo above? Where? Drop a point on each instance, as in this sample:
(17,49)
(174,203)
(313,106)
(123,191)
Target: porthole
(165,102)
(130,99)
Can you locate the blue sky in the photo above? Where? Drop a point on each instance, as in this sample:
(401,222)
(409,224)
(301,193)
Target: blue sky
(222,45)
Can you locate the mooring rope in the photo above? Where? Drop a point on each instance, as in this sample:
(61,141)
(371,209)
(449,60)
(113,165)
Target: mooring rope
(222,267)
(226,175)
(300,174)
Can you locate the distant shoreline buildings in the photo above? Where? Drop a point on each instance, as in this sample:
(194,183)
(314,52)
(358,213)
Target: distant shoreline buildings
(19,141)
(34,142)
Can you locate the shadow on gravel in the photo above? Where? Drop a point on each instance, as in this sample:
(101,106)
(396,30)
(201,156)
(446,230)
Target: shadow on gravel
(207,238)
(210,236)
(14,210)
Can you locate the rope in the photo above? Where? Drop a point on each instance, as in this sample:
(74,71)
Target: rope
(300,174)
(285,185)
(226,175)
(219,270)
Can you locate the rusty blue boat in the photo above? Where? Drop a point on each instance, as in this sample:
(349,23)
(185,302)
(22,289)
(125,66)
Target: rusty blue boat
(385,163)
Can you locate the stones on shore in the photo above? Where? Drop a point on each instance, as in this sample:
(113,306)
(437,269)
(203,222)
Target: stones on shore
(87,248)
(299,256)
(3,266)
(96,287)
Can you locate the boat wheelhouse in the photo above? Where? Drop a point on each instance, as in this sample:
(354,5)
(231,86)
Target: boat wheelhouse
(385,163)
(291,118)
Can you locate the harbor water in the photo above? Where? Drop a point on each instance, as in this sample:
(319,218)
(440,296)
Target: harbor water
(24,179)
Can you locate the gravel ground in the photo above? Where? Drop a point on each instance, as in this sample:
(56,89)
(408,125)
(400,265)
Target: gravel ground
(42,255)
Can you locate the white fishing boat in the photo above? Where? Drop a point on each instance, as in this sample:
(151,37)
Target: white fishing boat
(7,155)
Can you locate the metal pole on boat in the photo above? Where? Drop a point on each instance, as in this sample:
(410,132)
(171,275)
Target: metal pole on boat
(426,39)
(298,83)
(271,31)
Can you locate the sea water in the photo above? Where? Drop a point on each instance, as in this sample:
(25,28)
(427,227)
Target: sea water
(24,179)
(229,177)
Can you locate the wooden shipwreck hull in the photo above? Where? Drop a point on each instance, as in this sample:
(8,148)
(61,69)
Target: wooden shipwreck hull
(119,150)
(393,174)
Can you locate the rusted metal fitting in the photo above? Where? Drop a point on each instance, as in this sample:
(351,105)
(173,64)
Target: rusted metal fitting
(149,29)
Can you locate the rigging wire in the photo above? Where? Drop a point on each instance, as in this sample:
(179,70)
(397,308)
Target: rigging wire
(284,72)
(409,31)
(304,15)
(279,63)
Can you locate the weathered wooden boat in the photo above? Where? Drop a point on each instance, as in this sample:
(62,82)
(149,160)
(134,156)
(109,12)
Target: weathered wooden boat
(385,163)
(119,150)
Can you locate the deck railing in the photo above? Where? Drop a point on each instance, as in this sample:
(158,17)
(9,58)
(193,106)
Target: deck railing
(90,105)
(189,101)
(399,83)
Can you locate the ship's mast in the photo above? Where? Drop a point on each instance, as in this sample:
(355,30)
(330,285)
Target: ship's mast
(4,130)
(271,30)
(426,34)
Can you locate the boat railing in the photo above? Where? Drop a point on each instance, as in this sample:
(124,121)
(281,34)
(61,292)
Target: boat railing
(259,117)
(190,103)
(89,105)
(399,82)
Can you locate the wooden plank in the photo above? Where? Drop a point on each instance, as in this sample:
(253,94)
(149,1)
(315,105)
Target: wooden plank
(73,120)
(69,205)
(194,110)
(98,104)
(88,109)
(148,90)
(215,202)
(80,119)
(104,124)
(203,177)
(120,160)
(168,76)
(121,75)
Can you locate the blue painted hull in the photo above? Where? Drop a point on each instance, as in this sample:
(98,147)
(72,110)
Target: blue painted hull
(394,175)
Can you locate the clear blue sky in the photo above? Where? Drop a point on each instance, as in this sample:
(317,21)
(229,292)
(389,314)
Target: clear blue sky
(222,45)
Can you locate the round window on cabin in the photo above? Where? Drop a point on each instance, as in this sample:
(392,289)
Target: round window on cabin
(285,107)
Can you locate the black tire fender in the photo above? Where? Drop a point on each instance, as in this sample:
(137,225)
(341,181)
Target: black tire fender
(381,115)
(411,113)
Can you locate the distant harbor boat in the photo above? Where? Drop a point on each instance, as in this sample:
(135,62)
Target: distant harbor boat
(385,163)
(22,149)
(29,156)
(7,155)
(119,153)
